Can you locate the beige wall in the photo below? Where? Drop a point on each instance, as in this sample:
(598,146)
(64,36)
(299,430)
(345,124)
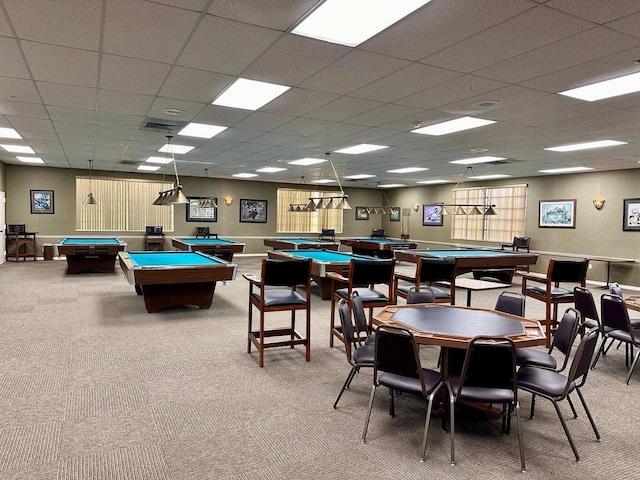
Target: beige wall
(597,232)
(2,177)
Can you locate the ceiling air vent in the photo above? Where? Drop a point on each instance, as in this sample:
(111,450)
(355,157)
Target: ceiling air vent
(162,125)
(129,162)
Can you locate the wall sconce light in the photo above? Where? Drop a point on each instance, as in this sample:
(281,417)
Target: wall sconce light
(228,200)
(598,203)
(416,207)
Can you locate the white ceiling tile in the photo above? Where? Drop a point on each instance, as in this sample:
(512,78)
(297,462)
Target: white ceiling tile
(194,85)
(277,14)
(596,11)
(72,115)
(342,108)
(147,30)
(132,75)
(5,29)
(11,59)
(629,25)
(215,115)
(298,101)
(225,46)
(33,124)
(505,96)
(68,95)
(302,126)
(71,66)
(122,102)
(22,109)
(196,5)
(263,122)
(384,114)
(19,90)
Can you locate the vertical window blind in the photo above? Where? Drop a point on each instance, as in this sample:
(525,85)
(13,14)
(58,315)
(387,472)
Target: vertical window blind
(123,205)
(305,222)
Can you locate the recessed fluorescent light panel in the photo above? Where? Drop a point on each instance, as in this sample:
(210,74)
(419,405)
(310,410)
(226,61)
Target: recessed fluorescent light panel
(407,170)
(30,159)
(163,160)
(452,126)
(352,22)
(17,149)
(270,169)
(391,185)
(566,170)
(474,160)
(180,149)
(323,180)
(201,130)
(249,94)
(362,148)
(245,175)
(359,176)
(433,182)
(488,177)
(306,161)
(148,168)
(585,146)
(9,133)
(606,89)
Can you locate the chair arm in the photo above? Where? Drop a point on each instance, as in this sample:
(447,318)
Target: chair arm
(405,277)
(254,279)
(504,245)
(534,277)
(337,277)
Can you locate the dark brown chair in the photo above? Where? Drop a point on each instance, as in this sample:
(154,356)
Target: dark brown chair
(19,243)
(362,277)
(556,387)
(203,232)
(547,289)
(276,291)
(328,234)
(519,244)
(511,302)
(423,295)
(358,355)
(378,233)
(397,366)
(429,271)
(153,235)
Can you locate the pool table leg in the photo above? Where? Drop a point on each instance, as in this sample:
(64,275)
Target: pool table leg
(162,296)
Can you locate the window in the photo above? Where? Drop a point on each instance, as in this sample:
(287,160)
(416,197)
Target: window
(123,205)
(305,222)
(510,205)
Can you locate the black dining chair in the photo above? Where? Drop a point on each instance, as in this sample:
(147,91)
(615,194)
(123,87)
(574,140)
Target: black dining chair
(488,376)
(562,342)
(358,355)
(397,366)
(364,331)
(420,295)
(429,271)
(556,387)
(511,302)
(616,290)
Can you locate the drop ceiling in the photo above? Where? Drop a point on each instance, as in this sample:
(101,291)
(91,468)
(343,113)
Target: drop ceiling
(80,79)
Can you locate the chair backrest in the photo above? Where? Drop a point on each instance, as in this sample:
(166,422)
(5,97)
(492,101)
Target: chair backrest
(347,326)
(581,363)
(328,232)
(585,304)
(490,362)
(511,302)
(359,315)
(521,242)
(423,295)
(568,271)
(285,273)
(396,353)
(434,269)
(364,272)
(154,229)
(202,230)
(566,332)
(16,228)
(616,290)
(377,233)
(613,312)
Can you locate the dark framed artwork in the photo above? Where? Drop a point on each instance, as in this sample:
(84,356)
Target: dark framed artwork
(253,211)
(432,215)
(557,214)
(201,214)
(42,201)
(362,213)
(394,215)
(631,215)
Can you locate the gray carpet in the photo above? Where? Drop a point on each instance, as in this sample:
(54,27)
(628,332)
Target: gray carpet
(94,387)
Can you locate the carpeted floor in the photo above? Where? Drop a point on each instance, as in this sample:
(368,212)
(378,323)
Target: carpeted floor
(94,387)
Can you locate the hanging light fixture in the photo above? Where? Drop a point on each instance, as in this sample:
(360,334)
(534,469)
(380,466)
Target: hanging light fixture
(208,202)
(473,209)
(90,200)
(382,209)
(173,195)
(333,202)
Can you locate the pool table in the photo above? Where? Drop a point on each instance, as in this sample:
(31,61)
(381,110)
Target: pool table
(323,262)
(170,279)
(282,243)
(90,254)
(498,264)
(377,247)
(218,247)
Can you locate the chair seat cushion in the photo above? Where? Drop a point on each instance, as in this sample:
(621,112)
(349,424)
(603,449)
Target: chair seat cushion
(556,292)
(530,356)
(621,335)
(481,394)
(440,293)
(366,294)
(274,298)
(545,382)
(411,385)
(590,323)
(364,355)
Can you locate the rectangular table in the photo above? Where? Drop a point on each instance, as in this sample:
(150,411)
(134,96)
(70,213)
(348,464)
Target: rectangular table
(171,279)
(218,247)
(282,243)
(473,285)
(609,261)
(323,262)
(90,254)
(497,264)
(378,247)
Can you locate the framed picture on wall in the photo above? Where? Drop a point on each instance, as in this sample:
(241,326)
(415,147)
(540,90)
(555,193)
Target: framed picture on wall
(42,201)
(253,211)
(362,213)
(201,214)
(432,215)
(557,214)
(394,216)
(631,215)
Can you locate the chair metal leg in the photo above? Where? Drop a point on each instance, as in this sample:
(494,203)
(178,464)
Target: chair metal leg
(366,423)
(600,350)
(566,430)
(533,405)
(573,409)
(347,382)
(426,422)
(586,409)
(633,366)
(520,444)
(392,406)
(452,426)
